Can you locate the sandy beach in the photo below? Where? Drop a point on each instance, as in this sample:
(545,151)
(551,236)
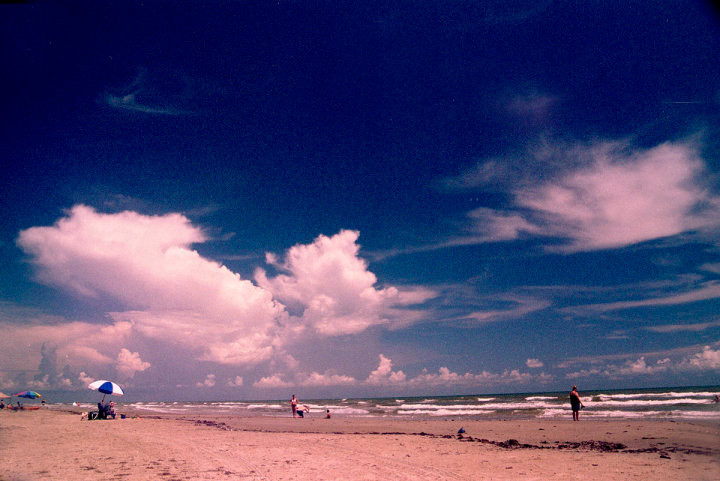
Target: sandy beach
(58,445)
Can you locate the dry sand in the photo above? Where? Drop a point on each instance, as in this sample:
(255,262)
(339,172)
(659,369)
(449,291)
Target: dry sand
(54,445)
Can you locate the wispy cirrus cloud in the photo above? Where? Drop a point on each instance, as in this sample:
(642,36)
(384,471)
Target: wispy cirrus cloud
(695,327)
(152,95)
(514,307)
(535,106)
(137,101)
(707,290)
(606,195)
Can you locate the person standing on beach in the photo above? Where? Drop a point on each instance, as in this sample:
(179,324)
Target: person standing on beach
(293,405)
(575,403)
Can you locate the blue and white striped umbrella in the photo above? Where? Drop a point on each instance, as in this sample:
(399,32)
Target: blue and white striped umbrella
(106,387)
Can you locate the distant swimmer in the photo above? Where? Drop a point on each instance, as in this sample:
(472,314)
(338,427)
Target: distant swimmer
(717,398)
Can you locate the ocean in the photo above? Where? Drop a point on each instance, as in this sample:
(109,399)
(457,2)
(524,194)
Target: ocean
(696,403)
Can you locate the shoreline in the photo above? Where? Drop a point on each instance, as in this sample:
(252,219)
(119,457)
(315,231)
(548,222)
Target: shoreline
(209,447)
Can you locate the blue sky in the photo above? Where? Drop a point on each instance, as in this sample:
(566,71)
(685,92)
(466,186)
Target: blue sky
(235,200)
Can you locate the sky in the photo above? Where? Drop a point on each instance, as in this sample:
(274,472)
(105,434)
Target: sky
(248,199)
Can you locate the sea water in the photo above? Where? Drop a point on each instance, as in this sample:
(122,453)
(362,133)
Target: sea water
(696,403)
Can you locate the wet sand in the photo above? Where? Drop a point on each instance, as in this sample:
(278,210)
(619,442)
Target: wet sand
(55,445)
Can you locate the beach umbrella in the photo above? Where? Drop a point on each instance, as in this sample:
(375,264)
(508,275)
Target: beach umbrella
(106,387)
(28,394)
(2,395)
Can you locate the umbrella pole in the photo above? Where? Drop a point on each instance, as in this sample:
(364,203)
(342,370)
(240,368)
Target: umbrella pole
(103,399)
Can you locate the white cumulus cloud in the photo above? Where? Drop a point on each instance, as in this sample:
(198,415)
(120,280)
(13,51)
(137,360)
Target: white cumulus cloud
(328,379)
(209,381)
(172,293)
(272,381)
(331,285)
(128,363)
(165,292)
(534,363)
(384,374)
(707,359)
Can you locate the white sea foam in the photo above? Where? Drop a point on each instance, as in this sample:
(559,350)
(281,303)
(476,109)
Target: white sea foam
(162,409)
(350,411)
(675,414)
(670,394)
(650,402)
(426,407)
(485,399)
(487,406)
(326,406)
(559,413)
(697,414)
(265,406)
(446,412)
(229,405)
(521,405)
(537,398)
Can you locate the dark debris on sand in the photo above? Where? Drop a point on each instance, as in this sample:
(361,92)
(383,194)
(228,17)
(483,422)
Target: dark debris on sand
(592,445)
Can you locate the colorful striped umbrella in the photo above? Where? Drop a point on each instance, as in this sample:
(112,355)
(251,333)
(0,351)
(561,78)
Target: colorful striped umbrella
(28,394)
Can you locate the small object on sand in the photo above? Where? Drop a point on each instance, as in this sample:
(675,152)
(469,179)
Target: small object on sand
(461,430)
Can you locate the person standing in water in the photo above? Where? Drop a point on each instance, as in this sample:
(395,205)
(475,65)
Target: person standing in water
(575,403)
